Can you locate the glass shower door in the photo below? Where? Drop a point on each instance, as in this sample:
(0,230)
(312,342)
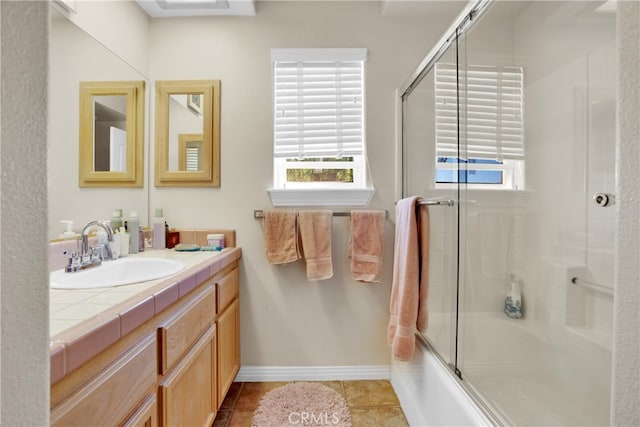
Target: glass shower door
(536,81)
(419,169)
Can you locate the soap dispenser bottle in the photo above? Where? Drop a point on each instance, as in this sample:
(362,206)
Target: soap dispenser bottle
(513,300)
(116,220)
(68,233)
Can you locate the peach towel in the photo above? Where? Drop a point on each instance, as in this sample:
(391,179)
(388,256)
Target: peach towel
(405,291)
(315,236)
(366,244)
(281,236)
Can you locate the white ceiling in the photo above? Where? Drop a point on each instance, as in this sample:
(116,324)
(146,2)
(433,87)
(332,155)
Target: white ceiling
(174,8)
(439,9)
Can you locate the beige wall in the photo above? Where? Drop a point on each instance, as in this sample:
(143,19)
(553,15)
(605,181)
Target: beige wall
(24,296)
(287,320)
(121,26)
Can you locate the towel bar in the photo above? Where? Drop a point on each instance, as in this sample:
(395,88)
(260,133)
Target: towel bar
(436,202)
(259,214)
(445,202)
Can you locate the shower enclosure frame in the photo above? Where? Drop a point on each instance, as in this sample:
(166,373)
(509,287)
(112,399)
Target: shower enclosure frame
(463,23)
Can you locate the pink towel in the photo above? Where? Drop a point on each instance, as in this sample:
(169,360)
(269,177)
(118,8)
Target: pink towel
(366,244)
(423,244)
(405,291)
(315,236)
(281,236)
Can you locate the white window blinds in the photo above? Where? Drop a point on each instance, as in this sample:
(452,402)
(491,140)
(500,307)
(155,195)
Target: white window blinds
(318,102)
(491,116)
(192,158)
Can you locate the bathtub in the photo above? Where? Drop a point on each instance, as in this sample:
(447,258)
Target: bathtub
(526,375)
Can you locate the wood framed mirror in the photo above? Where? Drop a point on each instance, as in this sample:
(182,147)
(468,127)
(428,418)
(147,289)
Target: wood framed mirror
(187,128)
(111,134)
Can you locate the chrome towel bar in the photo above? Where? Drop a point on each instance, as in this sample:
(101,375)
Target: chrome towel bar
(436,202)
(444,202)
(259,214)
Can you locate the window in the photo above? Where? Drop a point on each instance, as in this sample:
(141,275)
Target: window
(318,107)
(490,119)
(477,171)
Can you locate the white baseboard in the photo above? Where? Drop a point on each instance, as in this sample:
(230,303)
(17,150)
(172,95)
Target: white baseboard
(312,373)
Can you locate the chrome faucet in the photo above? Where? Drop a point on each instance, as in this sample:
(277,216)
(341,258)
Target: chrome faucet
(85,237)
(90,257)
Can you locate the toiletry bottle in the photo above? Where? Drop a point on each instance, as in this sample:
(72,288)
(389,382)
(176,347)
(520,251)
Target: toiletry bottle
(166,234)
(116,219)
(513,300)
(124,242)
(141,240)
(68,233)
(134,233)
(116,245)
(159,237)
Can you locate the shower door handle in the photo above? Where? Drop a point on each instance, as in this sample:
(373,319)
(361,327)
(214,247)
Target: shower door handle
(604,199)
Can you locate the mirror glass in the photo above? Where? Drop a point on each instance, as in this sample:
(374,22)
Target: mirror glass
(74,57)
(111,134)
(187,131)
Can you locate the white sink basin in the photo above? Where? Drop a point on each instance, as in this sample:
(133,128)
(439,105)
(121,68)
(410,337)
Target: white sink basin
(124,271)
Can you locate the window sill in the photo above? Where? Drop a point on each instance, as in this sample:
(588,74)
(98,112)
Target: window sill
(352,197)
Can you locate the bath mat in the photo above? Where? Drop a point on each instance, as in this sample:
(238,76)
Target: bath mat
(303,404)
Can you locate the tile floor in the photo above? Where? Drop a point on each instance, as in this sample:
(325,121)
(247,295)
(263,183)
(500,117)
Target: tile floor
(371,403)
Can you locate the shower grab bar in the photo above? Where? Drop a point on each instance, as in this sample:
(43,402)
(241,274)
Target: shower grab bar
(593,286)
(259,214)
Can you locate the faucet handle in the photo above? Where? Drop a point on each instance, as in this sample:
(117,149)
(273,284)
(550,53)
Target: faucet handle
(73,260)
(96,252)
(72,254)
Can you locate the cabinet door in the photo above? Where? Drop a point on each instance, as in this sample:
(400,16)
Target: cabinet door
(228,348)
(146,415)
(228,288)
(188,393)
(116,392)
(177,334)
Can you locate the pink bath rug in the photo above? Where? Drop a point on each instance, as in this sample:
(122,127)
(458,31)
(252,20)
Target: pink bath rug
(302,404)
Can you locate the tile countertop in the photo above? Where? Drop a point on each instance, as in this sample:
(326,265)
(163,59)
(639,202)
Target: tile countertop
(80,318)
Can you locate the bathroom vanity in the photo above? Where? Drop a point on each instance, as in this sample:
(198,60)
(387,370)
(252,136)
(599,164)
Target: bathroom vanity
(165,355)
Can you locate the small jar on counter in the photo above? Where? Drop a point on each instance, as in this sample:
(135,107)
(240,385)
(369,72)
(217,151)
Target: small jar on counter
(215,241)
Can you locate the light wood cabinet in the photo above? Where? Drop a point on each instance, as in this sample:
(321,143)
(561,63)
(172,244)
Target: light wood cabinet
(187,394)
(146,416)
(228,323)
(180,332)
(173,370)
(109,398)
(227,290)
(228,348)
